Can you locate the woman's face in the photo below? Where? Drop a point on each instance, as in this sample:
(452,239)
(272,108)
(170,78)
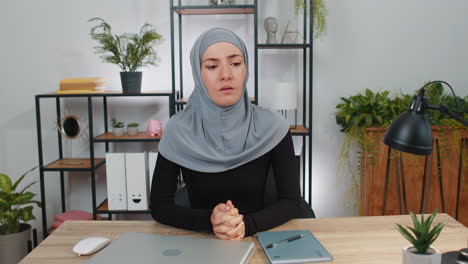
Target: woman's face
(223,73)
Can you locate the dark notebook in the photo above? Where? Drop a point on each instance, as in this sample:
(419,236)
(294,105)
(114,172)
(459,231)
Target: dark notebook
(294,246)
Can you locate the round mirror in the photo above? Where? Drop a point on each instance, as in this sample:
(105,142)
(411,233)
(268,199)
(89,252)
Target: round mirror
(71,127)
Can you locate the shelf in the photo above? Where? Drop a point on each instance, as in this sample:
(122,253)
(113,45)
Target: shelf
(103,208)
(215,10)
(141,136)
(108,94)
(299,130)
(282,46)
(73,164)
(183,101)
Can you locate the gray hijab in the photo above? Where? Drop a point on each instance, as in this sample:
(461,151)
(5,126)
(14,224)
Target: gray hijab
(206,137)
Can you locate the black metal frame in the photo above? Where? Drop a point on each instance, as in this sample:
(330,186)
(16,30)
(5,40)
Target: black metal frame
(92,140)
(307,86)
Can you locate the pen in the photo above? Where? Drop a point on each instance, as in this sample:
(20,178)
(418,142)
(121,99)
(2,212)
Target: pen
(289,239)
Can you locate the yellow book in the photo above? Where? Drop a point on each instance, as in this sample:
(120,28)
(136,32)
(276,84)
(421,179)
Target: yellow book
(71,83)
(80,91)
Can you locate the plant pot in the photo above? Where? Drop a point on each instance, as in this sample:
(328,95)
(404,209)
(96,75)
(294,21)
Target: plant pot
(410,256)
(118,131)
(132,131)
(14,247)
(131,82)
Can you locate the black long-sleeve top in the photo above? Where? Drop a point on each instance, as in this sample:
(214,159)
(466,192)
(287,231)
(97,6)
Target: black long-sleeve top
(244,186)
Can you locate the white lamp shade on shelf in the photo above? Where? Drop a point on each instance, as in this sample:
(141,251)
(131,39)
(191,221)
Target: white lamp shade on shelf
(281,96)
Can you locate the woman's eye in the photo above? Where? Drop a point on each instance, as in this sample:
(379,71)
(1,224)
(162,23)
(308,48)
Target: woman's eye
(236,64)
(211,67)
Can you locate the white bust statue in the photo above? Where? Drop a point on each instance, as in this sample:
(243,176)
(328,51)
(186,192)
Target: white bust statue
(271,26)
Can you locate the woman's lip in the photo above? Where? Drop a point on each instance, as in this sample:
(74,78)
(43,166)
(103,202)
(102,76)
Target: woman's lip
(226,88)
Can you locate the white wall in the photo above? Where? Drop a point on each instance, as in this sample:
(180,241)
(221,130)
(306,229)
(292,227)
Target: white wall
(394,45)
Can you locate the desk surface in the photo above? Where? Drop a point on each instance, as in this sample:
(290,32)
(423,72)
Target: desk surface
(370,239)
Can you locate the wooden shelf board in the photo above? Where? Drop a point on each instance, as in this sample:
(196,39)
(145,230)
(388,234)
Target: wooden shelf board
(300,129)
(104,208)
(109,93)
(185,100)
(81,163)
(282,46)
(109,136)
(214,10)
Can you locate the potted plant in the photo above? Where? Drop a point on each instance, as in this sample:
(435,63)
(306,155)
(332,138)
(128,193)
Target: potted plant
(421,237)
(363,118)
(132,129)
(117,127)
(14,215)
(319,13)
(130,51)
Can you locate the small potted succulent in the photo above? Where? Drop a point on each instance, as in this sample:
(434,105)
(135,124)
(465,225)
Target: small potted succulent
(15,211)
(118,128)
(421,237)
(132,129)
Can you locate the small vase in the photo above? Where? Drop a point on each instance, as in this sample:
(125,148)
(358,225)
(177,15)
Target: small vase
(131,82)
(410,256)
(132,131)
(118,131)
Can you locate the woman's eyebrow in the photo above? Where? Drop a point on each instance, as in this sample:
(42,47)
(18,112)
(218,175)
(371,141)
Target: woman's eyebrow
(216,59)
(210,59)
(233,56)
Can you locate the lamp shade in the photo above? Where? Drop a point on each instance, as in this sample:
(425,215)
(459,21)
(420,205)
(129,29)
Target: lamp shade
(282,96)
(410,132)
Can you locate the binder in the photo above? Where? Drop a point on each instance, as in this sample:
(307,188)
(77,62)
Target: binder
(280,248)
(136,171)
(116,181)
(152,157)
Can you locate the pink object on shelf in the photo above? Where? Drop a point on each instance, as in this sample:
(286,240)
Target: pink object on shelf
(74,215)
(57,224)
(154,128)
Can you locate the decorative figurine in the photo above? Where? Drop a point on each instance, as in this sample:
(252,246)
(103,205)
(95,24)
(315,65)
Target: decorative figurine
(154,128)
(271,26)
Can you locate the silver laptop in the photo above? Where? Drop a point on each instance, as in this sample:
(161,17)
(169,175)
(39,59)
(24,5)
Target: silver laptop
(138,248)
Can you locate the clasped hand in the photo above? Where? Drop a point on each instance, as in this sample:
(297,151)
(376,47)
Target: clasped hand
(227,223)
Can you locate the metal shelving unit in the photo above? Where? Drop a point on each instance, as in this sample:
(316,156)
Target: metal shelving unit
(92,163)
(304,129)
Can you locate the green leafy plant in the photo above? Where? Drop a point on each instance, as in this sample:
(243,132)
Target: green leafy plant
(320,14)
(130,51)
(421,235)
(12,204)
(358,112)
(133,125)
(117,124)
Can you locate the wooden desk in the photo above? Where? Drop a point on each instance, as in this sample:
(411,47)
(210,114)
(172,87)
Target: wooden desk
(365,239)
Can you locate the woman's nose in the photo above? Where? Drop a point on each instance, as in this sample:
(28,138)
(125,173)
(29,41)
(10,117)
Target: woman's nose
(226,72)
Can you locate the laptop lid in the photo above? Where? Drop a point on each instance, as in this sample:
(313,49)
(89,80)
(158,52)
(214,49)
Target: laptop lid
(138,248)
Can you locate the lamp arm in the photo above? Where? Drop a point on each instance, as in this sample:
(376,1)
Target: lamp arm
(445,110)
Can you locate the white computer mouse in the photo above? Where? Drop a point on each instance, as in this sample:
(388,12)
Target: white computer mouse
(90,245)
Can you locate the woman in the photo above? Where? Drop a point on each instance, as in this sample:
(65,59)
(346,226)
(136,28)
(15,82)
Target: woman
(224,147)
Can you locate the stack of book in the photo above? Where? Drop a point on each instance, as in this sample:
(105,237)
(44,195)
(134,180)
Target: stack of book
(82,85)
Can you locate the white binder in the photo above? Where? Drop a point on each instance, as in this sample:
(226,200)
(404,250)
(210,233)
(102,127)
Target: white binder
(136,170)
(116,181)
(152,157)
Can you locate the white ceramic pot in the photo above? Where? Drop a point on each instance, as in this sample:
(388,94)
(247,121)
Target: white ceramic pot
(118,131)
(132,131)
(410,256)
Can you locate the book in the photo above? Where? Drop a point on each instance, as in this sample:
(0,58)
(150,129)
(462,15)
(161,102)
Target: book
(293,246)
(116,181)
(137,178)
(93,91)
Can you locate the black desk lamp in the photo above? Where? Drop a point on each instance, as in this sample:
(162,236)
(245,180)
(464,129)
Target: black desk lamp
(411,131)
